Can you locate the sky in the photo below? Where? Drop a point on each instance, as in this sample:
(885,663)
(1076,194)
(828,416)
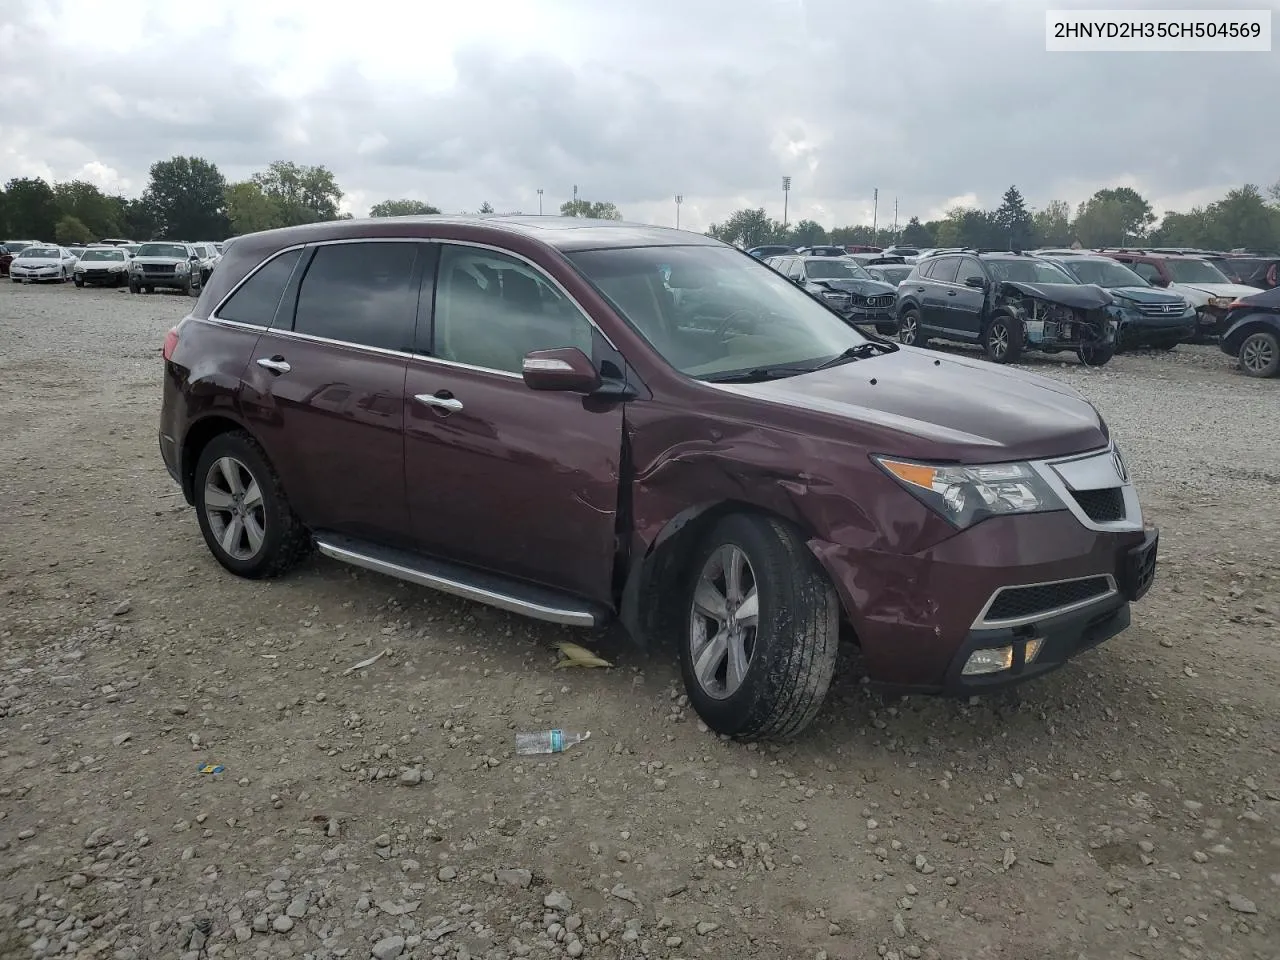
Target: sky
(932,102)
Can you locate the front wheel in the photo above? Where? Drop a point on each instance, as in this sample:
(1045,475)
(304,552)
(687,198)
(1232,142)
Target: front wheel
(79,282)
(909,329)
(762,628)
(1003,340)
(1260,354)
(1096,354)
(242,510)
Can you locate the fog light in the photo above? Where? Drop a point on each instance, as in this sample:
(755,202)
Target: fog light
(1033,648)
(991,660)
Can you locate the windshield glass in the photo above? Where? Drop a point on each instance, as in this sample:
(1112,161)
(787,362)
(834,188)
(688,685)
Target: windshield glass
(1195,271)
(834,270)
(175,250)
(90,255)
(1105,273)
(1028,271)
(40,253)
(894,275)
(721,312)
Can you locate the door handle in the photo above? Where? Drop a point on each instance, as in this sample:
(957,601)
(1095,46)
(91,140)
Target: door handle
(951,293)
(919,289)
(452,404)
(276,364)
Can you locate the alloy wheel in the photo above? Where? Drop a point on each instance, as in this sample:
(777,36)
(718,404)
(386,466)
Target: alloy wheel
(909,330)
(998,339)
(234,507)
(1257,354)
(724,618)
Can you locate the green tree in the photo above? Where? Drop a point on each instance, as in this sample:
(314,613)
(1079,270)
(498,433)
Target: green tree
(486,207)
(807,233)
(1014,220)
(402,208)
(103,216)
(748,228)
(1052,225)
(187,196)
(303,194)
(139,219)
(32,209)
(71,230)
(1242,219)
(592,209)
(916,234)
(250,210)
(1113,217)
(968,227)
(857,233)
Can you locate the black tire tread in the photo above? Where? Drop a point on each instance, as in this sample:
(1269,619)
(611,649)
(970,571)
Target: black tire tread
(295,539)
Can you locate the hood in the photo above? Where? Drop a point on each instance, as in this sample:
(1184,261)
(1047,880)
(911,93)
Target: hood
(54,261)
(864,288)
(161,261)
(946,408)
(101,264)
(1145,295)
(1232,290)
(1081,296)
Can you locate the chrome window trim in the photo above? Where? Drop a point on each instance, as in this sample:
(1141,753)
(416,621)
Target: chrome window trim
(1133,521)
(550,280)
(981,622)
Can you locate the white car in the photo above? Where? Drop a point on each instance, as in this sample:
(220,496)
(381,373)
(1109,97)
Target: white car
(103,265)
(43,263)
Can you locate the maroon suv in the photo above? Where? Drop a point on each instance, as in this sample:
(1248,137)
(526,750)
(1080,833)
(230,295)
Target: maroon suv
(580,421)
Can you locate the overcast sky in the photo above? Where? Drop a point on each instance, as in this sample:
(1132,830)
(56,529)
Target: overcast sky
(934,102)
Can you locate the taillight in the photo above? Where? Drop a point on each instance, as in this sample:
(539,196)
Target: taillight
(170,344)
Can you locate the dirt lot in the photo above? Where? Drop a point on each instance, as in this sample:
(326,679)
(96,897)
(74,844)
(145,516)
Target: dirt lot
(1127,806)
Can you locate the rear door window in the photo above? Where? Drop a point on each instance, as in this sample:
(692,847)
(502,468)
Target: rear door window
(258,298)
(944,269)
(363,293)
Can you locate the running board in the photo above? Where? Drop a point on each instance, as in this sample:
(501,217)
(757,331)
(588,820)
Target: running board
(527,600)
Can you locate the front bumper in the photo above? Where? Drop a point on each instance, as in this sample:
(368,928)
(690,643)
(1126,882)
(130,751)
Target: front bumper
(102,276)
(27,275)
(1138,331)
(175,281)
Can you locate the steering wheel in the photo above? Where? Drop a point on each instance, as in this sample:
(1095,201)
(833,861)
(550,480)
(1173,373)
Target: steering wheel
(741,313)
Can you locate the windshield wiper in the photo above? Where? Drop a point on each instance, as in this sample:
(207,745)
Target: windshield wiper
(759,375)
(861,352)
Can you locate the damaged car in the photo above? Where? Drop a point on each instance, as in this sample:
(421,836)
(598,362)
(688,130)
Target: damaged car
(518,411)
(844,287)
(1007,303)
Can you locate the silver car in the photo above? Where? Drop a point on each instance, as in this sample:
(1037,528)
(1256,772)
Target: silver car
(43,263)
(103,265)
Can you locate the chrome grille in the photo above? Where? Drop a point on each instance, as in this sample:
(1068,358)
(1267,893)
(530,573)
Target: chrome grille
(1161,309)
(1013,605)
(880,301)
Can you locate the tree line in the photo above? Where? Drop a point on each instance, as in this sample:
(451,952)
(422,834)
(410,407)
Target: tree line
(1113,217)
(188,198)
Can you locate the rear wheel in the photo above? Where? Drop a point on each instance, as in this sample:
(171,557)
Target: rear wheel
(243,513)
(761,632)
(909,329)
(1096,354)
(1003,340)
(1260,354)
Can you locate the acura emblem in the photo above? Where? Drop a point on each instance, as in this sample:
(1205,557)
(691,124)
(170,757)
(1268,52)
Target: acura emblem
(1121,471)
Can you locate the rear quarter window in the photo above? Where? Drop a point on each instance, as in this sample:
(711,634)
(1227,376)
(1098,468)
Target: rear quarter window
(257,299)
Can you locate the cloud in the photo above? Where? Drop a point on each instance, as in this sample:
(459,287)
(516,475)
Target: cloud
(932,102)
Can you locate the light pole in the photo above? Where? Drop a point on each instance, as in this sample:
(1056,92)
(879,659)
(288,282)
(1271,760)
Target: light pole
(895,219)
(786,195)
(539,201)
(875,208)
(679,200)
(575,200)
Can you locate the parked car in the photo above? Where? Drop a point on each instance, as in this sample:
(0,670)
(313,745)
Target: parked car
(42,264)
(5,259)
(102,266)
(890,273)
(1007,303)
(1262,272)
(209,257)
(115,242)
(1253,333)
(1202,284)
(165,264)
(904,252)
(1145,316)
(745,472)
(15,247)
(844,287)
(823,250)
(771,250)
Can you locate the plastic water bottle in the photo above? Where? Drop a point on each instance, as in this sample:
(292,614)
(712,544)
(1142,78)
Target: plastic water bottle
(547,741)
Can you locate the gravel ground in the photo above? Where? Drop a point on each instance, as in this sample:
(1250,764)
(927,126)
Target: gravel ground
(1126,806)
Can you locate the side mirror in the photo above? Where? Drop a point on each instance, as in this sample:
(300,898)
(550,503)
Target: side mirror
(563,370)
(977,283)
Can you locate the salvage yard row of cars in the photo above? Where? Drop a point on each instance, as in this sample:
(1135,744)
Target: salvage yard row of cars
(142,267)
(1091,303)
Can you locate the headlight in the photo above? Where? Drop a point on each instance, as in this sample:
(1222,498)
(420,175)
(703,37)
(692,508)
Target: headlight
(1219,301)
(834,295)
(115,269)
(181,267)
(966,495)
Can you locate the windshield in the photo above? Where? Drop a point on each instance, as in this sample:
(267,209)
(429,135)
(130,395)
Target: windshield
(1028,271)
(40,253)
(721,312)
(175,250)
(835,270)
(1105,273)
(89,255)
(1195,271)
(894,275)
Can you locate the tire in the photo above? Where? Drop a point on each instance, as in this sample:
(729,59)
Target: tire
(79,282)
(134,288)
(790,655)
(283,541)
(1096,356)
(1002,341)
(1259,354)
(192,287)
(147,288)
(909,329)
